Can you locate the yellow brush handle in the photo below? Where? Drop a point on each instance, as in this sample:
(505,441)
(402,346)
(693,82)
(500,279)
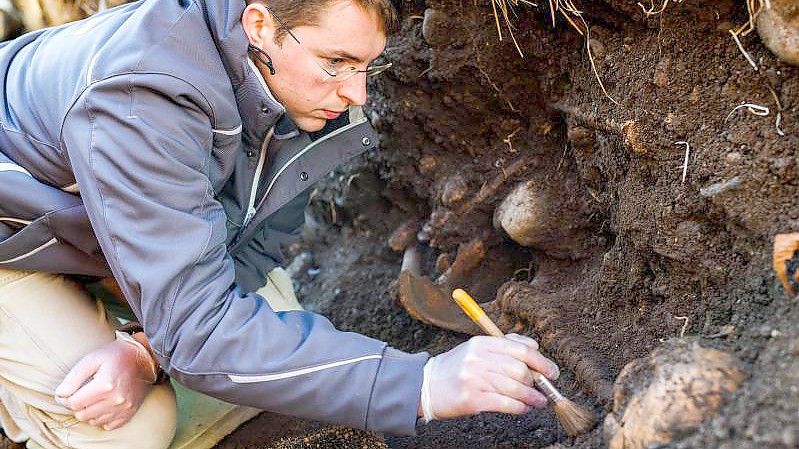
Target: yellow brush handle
(476,313)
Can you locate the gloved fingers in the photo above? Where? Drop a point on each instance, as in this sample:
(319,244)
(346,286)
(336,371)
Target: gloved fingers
(93,392)
(81,373)
(534,359)
(530,342)
(117,423)
(120,417)
(508,366)
(516,390)
(496,402)
(107,407)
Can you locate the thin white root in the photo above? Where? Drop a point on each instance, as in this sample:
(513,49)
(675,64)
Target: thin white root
(684,325)
(685,162)
(651,11)
(779,109)
(745,53)
(755,109)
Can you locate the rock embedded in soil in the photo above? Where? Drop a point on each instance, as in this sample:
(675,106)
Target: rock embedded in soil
(667,394)
(443,263)
(404,235)
(435,28)
(300,264)
(536,215)
(720,187)
(427,164)
(778,27)
(454,191)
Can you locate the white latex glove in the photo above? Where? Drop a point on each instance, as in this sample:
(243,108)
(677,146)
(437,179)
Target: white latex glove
(485,374)
(107,386)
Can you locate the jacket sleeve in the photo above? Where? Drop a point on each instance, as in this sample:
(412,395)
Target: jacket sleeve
(139,145)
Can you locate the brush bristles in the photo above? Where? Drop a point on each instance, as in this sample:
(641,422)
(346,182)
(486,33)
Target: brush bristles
(574,418)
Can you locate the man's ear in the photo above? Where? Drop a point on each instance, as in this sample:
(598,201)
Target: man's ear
(258,23)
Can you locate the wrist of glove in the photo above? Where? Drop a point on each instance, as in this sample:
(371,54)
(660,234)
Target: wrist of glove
(129,333)
(144,357)
(484,374)
(106,387)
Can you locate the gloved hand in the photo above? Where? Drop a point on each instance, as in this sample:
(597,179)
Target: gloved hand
(107,386)
(485,374)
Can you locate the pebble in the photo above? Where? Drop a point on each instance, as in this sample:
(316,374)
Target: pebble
(733,157)
(778,27)
(720,187)
(427,164)
(300,263)
(454,190)
(435,28)
(597,49)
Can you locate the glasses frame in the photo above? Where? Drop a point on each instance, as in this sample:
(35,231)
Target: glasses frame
(333,75)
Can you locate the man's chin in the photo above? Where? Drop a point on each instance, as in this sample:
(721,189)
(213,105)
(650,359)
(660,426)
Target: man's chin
(310,124)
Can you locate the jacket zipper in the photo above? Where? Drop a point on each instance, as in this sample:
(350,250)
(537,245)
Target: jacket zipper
(258,170)
(341,130)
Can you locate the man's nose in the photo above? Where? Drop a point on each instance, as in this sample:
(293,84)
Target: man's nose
(353,90)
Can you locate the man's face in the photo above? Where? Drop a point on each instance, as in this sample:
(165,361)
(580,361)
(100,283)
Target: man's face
(346,35)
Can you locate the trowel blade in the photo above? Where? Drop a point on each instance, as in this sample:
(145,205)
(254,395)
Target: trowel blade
(429,303)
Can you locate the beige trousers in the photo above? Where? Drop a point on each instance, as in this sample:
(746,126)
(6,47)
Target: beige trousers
(47,323)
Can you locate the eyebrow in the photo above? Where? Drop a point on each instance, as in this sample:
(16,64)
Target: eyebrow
(344,55)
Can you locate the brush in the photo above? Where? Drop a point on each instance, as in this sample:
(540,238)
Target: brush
(574,418)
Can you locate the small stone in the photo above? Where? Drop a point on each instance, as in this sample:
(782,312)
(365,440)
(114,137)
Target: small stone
(597,49)
(435,28)
(454,190)
(630,132)
(784,167)
(427,164)
(299,264)
(778,27)
(581,137)
(661,78)
(733,157)
(673,121)
(695,95)
(720,187)
(403,235)
(443,262)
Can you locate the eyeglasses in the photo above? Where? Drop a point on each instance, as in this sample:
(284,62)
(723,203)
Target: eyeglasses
(334,72)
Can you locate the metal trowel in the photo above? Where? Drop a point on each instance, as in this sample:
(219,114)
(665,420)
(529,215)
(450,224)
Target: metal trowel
(431,303)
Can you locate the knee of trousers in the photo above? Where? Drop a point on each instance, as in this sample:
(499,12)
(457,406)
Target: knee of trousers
(152,427)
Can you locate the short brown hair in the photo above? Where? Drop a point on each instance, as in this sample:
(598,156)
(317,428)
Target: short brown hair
(296,13)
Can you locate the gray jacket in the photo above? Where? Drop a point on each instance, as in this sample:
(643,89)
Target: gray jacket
(132,144)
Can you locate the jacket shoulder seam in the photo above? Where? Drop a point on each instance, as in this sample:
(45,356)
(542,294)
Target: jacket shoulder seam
(86,90)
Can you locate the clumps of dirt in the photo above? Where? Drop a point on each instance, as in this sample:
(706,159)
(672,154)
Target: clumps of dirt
(333,437)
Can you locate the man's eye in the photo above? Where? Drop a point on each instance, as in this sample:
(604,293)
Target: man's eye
(334,62)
